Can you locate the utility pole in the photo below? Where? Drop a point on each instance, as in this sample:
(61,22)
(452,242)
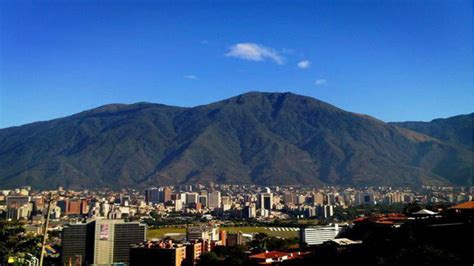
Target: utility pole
(45,229)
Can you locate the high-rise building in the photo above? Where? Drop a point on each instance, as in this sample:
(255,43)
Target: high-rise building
(310,212)
(195,233)
(152,195)
(318,198)
(113,239)
(226,203)
(62,204)
(203,200)
(84,206)
(166,194)
(38,203)
(331,199)
(178,204)
(193,251)
(249,211)
(101,242)
(17,212)
(18,207)
(300,199)
(78,244)
(226,200)
(289,198)
(325,211)
(104,209)
(76,206)
(55,213)
(182,197)
(223,237)
(362,198)
(235,239)
(318,235)
(206,233)
(265,201)
(191,198)
(214,199)
(17,200)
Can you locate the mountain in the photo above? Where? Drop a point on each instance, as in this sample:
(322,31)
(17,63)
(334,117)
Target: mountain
(458,130)
(260,138)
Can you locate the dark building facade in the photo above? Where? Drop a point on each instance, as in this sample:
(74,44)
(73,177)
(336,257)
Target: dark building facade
(125,235)
(100,242)
(157,253)
(78,244)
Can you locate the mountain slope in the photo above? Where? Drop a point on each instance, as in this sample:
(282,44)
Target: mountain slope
(262,138)
(458,130)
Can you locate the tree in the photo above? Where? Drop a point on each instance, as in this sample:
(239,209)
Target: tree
(209,259)
(14,241)
(411,208)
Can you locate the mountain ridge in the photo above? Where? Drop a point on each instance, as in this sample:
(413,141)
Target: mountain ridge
(457,129)
(261,138)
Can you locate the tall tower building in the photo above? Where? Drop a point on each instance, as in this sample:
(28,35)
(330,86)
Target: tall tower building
(318,198)
(265,201)
(191,198)
(113,239)
(249,211)
(78,244)
(101,242)
(203,200)
(214,199)
(289,198)
(18,207)
(152,195)
(166,194)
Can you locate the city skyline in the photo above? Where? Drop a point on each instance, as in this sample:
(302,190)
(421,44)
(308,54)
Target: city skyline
(178,225)
(217,133)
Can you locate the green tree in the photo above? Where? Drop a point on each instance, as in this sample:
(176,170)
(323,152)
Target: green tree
(411,208)
(14,241)
(209,259)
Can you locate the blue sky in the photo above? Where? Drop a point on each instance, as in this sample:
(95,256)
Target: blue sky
(395,60)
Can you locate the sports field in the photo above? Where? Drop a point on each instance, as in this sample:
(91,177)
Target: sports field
(284,232)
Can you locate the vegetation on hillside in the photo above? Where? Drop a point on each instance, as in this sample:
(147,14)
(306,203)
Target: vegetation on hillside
(261,138)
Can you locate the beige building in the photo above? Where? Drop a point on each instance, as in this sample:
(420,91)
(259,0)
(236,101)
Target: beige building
(214,199)
(113,238)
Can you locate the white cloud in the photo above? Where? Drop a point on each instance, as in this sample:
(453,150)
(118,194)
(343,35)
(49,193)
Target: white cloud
(254,52)
(320,82)
(190,77)
(304,64)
